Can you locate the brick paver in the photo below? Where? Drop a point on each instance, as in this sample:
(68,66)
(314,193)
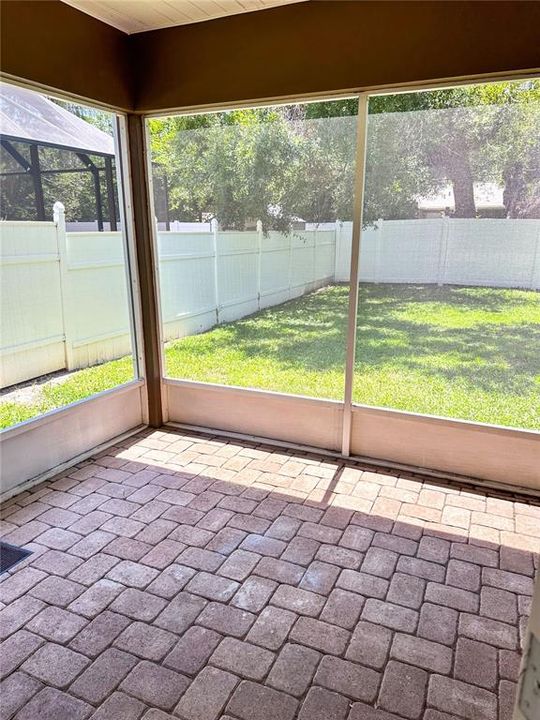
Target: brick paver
(403,689)
(348,678)
(294,669)
(252,701)
(476,663)
(55,665)
(16,649)
(321,704)
(56,624)
(207,695)
(272,627)
(298,600)
(226,619)
(242,658)
(186,576)
(145,641)
(155,685)
(103,676)
(16,691)
(464,699)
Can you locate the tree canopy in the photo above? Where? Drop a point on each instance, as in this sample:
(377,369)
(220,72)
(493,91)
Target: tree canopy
(297,162)
(294,162)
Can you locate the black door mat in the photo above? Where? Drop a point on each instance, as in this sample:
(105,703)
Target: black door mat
(10,555)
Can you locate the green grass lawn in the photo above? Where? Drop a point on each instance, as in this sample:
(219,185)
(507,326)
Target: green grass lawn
(77,385)
(469,353)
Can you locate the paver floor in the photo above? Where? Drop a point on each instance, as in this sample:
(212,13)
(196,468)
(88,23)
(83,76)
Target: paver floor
(186,576)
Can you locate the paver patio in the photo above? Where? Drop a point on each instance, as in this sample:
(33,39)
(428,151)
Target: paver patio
(186,576)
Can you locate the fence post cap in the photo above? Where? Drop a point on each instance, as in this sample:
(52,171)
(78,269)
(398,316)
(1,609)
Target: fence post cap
(59,212)
(259,226)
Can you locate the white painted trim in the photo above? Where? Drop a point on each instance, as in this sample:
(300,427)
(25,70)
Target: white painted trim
(118,18)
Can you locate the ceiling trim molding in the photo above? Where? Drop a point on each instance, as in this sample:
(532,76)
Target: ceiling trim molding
(111,12)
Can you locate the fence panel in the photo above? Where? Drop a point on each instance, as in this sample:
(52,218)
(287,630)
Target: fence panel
(96,301)
(459,251)
(367,253)
(325,255)
(237,274)
(500,253)
(407,251)
(274,269)
(64,295)
(188,300)
(31,314)
(302,261)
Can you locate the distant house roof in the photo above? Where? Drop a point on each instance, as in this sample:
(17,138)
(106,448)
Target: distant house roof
(486,195)
(28,116)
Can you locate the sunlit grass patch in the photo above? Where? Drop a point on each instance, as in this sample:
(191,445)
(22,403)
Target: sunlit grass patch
(76,386)
(466,353)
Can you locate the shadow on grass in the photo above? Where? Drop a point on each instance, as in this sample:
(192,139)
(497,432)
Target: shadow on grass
(486,338)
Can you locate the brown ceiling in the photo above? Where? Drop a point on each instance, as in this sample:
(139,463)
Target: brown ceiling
(50,43)
(309,47)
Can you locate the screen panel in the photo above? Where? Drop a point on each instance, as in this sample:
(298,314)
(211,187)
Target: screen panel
(449,304)
(254,208)
(67,313)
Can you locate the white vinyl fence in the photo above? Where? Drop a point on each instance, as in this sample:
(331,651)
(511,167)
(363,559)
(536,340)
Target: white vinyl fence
(445,251)
(64,300)
(213,277)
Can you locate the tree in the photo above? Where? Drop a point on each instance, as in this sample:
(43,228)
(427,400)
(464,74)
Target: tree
(235,166)
(276,165)
(478,133)
(298,161)
(323,189)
